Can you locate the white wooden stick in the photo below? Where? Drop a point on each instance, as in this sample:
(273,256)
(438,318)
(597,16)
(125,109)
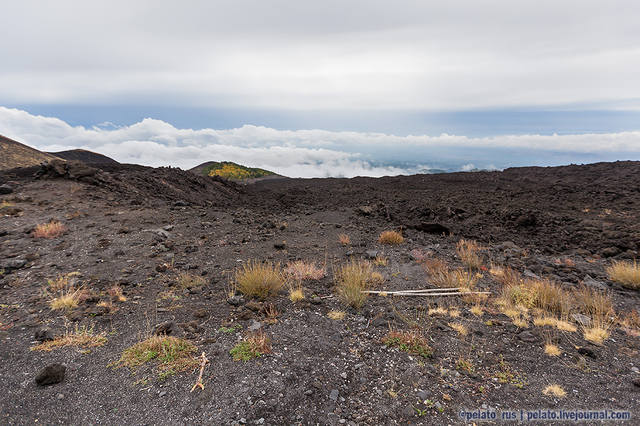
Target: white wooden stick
(428,290)
(437,294)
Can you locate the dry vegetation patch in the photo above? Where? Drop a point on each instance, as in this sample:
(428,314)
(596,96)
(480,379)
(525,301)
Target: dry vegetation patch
(344,239)
(302,270)
(441,275)
(259,279)
(391,238)
(253,346)
(170,353)
(408,341)
(467,251)
(555,390)
(49,230)
(352,279)
(189,280)
(625,273)
(80,336)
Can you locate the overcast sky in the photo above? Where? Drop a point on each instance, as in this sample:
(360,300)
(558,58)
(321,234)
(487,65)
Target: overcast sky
(320,58)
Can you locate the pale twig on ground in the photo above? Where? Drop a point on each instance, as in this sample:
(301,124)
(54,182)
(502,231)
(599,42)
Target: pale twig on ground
(203,364)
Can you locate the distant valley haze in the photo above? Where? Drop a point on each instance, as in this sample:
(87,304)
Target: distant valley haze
(317,89)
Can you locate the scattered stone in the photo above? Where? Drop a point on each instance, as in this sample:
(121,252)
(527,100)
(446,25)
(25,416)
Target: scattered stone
(11,264)
(594,283)
(610,251)
(635,369)
(235,300)
(333,395)
(280,245)
(587,352)
(527,336)
(5,189)
(51,374)
(200,313)
(530,274)
(364,210)
(636,382)
(583,320)
(43,335)
(254,306)
(431,228)
(60,396)
(166,328)
(163,393)
(255,326)
(371,254)
(160,234)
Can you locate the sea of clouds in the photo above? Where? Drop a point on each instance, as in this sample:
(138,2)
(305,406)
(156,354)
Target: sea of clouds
(294,153)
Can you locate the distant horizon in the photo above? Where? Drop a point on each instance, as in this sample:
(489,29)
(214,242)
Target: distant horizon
(315,152)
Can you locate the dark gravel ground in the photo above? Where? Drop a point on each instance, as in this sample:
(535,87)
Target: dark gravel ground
(562,223)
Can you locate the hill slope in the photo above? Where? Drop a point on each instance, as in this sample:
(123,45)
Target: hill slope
(85,156)
(15,154)
(230,170)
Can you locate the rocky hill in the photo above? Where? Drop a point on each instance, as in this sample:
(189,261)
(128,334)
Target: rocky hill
(15,154)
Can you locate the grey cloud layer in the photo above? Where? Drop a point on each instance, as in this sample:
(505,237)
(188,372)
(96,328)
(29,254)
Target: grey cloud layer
(300,153)
(330,54)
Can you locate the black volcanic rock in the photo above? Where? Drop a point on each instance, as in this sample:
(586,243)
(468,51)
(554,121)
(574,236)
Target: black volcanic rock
(51,374)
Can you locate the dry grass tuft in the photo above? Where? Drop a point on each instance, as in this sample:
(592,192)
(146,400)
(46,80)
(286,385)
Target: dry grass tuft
(460,328)
(599,307)
(391,238)
(66,299)
(554,390)
(468,253)
(625,273)
(49,230)
(344,239)
(296,293)
(380,261)
(439,310)
(441,275)
(259,279)
(171,353)
(477,310)
(551,349)
(301,270)
(354,277)
(81,336)
(562,325)
(116,294)
(408,341)
(253,346)
(336,315)
(189,280)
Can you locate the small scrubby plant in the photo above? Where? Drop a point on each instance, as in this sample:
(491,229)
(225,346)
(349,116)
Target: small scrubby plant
(49,230)
(189,280)
(408,341)
(253,346)
(625,273)
(352,279)
(259,279)
(391,238)
(468,253)
(301,270)
(170,353)
(81,336)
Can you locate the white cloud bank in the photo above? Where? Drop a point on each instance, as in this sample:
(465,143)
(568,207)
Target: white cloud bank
(300,153)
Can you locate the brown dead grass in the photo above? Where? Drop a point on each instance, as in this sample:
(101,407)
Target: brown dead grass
(259,279)
(391,238)
(625,273)
(554,390)
(188,280)
(344,239)
(303,270)
(49,230)
(170,353)
(352,279)
(441,275)
(81,336)
(467,251)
